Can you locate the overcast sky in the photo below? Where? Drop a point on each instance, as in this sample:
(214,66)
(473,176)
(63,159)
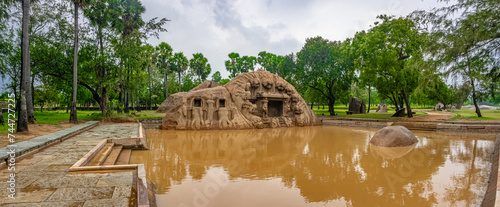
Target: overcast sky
(219,27)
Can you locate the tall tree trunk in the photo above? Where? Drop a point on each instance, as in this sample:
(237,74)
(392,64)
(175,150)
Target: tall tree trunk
(179,80)
(132,101)
(120,100)
(474,99)
(72,115)
(22,122)
(150,86)
(104,102)
(331,103)
(127,95)
(166,84)
(394,101)
(30,101)
(125,103)
(127,92)
(401,101)
(138,107)
(312,105)
(407,101)
(369,99)
(2,122)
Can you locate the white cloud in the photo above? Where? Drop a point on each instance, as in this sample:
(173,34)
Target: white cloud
(218,27)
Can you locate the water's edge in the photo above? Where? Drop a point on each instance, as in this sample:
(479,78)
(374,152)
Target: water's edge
(491,191)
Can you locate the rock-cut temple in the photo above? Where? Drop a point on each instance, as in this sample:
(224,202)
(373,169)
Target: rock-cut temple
(251,100)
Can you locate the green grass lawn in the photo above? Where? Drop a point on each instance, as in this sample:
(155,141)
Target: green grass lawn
(341,112)
(140,115)
(464,114)
(54,117)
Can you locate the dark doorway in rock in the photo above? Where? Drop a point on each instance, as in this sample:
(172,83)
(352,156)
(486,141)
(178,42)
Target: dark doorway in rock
(222,103)
(197,103)
(275,108)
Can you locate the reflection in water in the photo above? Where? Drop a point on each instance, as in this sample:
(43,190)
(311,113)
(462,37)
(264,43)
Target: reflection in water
(392,152)
(313,166)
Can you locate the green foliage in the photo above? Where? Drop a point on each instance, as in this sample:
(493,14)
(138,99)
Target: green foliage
(232,64)
(44,95)
(464,42)
(224,81)
(178,63)
(216,77)
(326,67)
(200,66)
(389,57)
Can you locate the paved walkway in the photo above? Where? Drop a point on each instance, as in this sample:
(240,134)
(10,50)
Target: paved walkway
(37,142)
(42,179)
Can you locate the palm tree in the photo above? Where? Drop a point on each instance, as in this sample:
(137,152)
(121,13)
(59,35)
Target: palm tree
(199,65)
(72,115)
(165,53)
(178,63)
(22,123)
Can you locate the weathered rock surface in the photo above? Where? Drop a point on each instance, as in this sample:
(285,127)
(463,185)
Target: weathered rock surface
(382,108)
(357,106)
(251,100)
(206,84)
(393,136)
(399,113)
(170,102)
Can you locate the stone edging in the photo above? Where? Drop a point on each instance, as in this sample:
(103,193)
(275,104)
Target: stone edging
(428,126)
(40,142)
(489,198)
(140,181)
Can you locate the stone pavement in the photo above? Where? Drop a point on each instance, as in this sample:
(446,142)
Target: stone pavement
(42,179)
(37,142)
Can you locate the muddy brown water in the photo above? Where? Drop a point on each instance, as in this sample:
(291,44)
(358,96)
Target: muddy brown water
(314,166)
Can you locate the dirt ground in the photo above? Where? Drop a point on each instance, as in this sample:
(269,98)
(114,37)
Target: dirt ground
(36,130)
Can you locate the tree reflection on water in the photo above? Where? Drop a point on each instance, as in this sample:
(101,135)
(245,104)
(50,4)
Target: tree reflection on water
(325,164)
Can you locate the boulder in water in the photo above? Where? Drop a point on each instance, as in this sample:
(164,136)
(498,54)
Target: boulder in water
(393,136)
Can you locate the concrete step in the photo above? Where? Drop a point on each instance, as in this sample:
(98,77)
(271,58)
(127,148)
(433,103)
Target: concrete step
(113,155)
(99,158)
(124,157)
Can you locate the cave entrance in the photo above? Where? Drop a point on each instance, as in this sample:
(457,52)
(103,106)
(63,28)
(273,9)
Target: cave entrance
(275,108)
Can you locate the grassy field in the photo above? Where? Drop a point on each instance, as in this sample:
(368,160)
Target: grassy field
(464,114)
(341,112)
(140,115)
(54,117)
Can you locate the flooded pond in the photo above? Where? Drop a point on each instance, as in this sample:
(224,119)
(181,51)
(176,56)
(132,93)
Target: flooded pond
(314,166)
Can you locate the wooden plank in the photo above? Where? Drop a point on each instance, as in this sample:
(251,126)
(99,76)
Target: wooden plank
(101,155)
(102,168)
(124,157)
(113,155)
(91,154)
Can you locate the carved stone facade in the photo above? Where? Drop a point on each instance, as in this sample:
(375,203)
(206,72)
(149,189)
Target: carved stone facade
(251,100)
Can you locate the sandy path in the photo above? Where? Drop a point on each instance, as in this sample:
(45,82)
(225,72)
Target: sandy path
(432,116)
